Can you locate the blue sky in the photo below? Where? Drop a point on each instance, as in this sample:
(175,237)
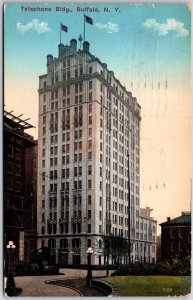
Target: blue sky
(128,40)
(141,44)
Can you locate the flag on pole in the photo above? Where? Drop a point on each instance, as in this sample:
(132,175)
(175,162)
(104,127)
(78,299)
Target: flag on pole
(88,20)
(64,28)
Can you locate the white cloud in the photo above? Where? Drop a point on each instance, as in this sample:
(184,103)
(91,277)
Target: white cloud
(110,27)
(40,27)
(171,25)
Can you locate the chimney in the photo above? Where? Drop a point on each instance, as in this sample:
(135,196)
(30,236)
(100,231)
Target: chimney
(49,59)
(73,45)
(185,213)
(60,50)
(168,219)
(86,46)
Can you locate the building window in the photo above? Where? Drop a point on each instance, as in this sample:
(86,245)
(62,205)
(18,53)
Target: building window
(80,171)
(90,84)
(90,70)
(90,96)
(89,184)
(90,131)
(90,170)
(17,186)
(80,156)
(43,217)
(10,151)
(43,203)
(89,155)
(17,154)
(172,246)
(89,228)
(90,144)
(89,214)
(90,120)
(172,232)
(89,243)
(9,183)
(89,199)
(90,108)
(44,108)
(100,186)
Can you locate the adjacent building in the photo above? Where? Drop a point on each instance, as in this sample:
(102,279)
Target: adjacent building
(147,236)
(88,158)
(19,168)
(176,237)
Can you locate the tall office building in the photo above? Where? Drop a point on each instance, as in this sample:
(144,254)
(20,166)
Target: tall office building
(89,128)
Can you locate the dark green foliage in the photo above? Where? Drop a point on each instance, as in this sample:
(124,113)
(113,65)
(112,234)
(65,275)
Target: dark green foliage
(135,269)
(164,268)
(176,267)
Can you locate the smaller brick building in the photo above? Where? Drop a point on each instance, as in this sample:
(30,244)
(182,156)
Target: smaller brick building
(176,237)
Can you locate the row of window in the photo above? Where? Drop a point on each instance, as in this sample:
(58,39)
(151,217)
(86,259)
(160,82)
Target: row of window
(64,228)
(13,152)
(13,168)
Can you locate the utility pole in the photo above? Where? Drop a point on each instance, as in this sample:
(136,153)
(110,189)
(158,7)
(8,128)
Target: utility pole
(129,211)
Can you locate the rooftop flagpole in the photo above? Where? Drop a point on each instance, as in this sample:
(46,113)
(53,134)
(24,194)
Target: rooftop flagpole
(84,30)
(89,21)
(60,31)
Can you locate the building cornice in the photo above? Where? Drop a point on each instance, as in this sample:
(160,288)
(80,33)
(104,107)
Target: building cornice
(96,75)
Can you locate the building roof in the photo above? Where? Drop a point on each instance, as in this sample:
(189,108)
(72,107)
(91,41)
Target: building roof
(16,122)
(184,219)
(16,126)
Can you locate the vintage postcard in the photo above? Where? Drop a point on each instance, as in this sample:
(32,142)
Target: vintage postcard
(97,149)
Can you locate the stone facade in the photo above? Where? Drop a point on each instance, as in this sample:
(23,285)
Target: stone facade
(89,128)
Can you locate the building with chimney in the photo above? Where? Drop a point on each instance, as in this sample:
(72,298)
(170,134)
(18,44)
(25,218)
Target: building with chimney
(89,158)
(20,202)
(176,237)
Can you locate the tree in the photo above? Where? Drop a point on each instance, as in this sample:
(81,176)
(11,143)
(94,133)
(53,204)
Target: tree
(114,247)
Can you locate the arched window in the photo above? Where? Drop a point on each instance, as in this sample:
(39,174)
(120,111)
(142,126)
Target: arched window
(76,243)
(52,243)
(63,243)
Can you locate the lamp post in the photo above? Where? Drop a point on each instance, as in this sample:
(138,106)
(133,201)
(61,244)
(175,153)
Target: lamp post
(10,289)
(89,272)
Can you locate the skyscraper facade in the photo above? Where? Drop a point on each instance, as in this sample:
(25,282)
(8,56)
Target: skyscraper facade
(89,157)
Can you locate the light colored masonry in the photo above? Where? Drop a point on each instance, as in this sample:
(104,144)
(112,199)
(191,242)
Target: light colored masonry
(88,124)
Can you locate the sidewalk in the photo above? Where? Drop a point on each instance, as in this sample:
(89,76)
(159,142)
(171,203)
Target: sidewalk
(36,285)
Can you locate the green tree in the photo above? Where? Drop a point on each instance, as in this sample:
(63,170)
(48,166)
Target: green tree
(114,247)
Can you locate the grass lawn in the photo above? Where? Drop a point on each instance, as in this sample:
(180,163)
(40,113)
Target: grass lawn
(151,285)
